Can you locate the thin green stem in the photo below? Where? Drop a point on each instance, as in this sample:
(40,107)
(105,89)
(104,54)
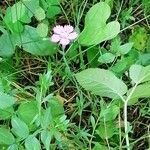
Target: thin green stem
(126,117)
(90,142)
(126,125)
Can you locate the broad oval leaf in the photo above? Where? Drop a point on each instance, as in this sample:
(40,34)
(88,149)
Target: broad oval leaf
(141,91)
(42,29)
(7,45)
(19,128)
(32,143)
(27,111)
(96,30)
(6,137)
(6,113)
(13,147)
(52,11)
(98,146)
(139,74)
(124,49)
(40,14)
(99,13)
(101,82)
(6,100)
(109,113)
(34,44)
(106,58)
(46,138)
(106,131)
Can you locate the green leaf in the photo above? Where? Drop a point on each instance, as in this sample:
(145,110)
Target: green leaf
(15,15)
(141,91)
(148,45)
(19,128)
(53,2)
(45,81)
(6,100)
(101,82)
(92,120)
(53,11)
(6,113)
(106,58)
(56,106)
(39,14)
(7,45)
(32,6)
(6,136)
(139,74)
(115,45)
(46,139)
(46,118)
(18,11)
(54,111)
(144,59)
(13,27)
(34,44)
(109,113)
(139,37)
(13,147)
(120,67)
(32,143)
(93,55)
(96,30)
(27,111)
(124,49)
(106,130)
(42,29)
(125,63)
(98,146)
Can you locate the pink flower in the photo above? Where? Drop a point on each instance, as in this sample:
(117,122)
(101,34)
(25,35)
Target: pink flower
(63,35)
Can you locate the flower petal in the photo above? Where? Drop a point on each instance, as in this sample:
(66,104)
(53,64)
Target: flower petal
(72,36)
(55,38)
(64,42)
(68,28)
(58,29)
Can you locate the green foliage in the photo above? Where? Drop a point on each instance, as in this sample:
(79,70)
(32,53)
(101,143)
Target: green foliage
(124,49)
(32,40)
(7,45)
(106,58)
(34,44)
(51,7)
(146,4)
(125,62)
(39,14)
(32,143)
(6,113)
(6,137)
(46,138)
(139,74)
(42,29)
(92,56)
(99,146)
(142,91)
(101,82)
(27,111)
(126,16)
(106,131)
(96,30)
(6,100)
(54,99)
(19,128)
(109,113)
(139,38)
